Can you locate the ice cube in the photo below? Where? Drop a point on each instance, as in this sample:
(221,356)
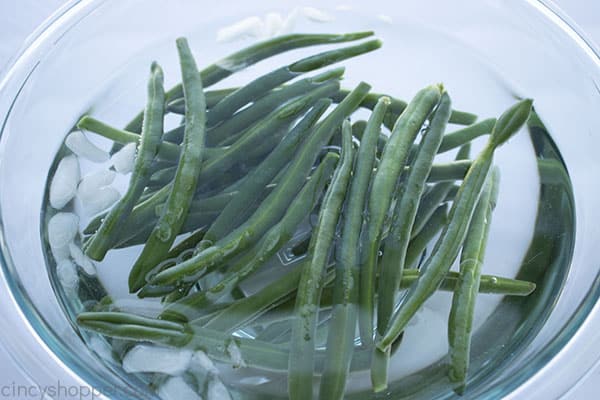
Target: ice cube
(235,354)
(62,229)
(124,159)
(217,390)
(79,144)
(150,358)
(251,26)
(64,182)
(316,15)
(102,199)
(175,388)
(101,348)
(67,275)
(273,24)
(81,259)
(201,361)
(290,22)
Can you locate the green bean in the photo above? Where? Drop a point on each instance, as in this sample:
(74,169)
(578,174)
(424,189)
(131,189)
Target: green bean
(390,167)
(104,238)
(254,353)
(437,195)
(463,136)
(453,235)
(177,106)
(251,55)
(397,107)
(460,321)
(302,345)
(271,243)
(448,172)
(340,342)
(272,208)
(186,178)
(432,227)
(255,89)
(396,244)
(167,151)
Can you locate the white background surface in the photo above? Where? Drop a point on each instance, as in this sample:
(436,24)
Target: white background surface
(18,18)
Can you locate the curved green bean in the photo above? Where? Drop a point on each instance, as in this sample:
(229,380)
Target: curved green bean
(302,346)
(390,167)
(463,136)
(463,301)
(152,130)
(396,244)
(453,235)
(340,341)
(186,178)
(255,89)
(272,208)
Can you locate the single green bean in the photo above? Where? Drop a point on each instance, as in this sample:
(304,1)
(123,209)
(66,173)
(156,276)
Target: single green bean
(463,136)
(272,208)
(302,347)
(340,341)
(460,321)
(104,238)
(167,150)
(396,244)
(189,307)
(448,172)
(255,89)
(453,235)
(251,55)
(182,192)
(390,167)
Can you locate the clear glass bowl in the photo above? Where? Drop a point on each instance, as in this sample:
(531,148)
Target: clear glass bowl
(93,55)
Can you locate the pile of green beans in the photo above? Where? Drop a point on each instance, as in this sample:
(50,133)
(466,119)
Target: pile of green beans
(274,177)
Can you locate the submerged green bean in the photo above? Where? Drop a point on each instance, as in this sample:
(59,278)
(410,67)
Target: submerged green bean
(452,237)
(340,341)
(272,208)
(463,301)
(302,346)
(152,131)
(188,170)
(388,172)
(396,244)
